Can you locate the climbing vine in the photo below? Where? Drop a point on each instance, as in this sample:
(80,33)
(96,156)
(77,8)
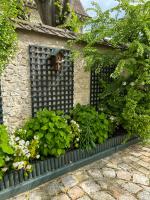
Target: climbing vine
(126,28)
(9,10)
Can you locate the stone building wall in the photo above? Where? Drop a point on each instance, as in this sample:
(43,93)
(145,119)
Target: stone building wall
(15,81)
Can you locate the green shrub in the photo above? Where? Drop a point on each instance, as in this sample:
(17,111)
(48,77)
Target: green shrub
(94,126)
(5,149)
(52,130)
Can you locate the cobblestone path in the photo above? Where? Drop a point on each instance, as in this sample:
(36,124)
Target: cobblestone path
(122,176)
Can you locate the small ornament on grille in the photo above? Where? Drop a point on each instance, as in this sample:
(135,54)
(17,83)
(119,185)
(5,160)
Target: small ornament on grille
(56,60)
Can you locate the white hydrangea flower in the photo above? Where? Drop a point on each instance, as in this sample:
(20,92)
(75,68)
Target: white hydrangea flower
(28,155)
(4,169)
(38,156)
(132,83)
(17,139)
(21,142)
(112,118)
(27,143)
(21,164)
(36,137)
(15,165)
(124,83)
(28,167)
(7,159)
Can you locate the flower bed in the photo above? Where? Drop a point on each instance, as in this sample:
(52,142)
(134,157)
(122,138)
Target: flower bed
(19,181)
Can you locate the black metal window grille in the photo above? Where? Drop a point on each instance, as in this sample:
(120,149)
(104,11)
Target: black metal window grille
(95,88)
(1,110)
(51,89)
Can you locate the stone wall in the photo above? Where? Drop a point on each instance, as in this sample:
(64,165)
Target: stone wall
(15,81)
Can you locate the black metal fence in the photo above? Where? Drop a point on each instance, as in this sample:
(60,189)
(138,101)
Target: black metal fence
(52,89)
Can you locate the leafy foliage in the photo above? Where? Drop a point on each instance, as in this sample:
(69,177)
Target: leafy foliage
(5,148)
(94,126)
(8,39)
(126,28)
(52,130)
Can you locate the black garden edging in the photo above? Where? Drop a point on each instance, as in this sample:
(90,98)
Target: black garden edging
(17,182)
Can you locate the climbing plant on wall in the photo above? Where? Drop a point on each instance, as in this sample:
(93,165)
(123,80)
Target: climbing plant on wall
(126,28)
(9,10)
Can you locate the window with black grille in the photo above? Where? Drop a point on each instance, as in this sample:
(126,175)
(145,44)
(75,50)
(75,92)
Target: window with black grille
(1,110)
(95,84)
(50,88)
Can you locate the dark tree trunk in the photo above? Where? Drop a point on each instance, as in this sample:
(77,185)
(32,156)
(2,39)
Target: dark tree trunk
(50,13)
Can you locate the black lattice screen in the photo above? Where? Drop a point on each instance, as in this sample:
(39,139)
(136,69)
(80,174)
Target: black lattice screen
(95,84)
(1,110)
(50,88)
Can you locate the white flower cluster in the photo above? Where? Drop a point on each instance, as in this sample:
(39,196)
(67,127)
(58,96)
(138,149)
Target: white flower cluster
(20,146)
(75,123)
(132,83)
(22,152)
(78,129)
(112,118)
(22,164)
(124,83)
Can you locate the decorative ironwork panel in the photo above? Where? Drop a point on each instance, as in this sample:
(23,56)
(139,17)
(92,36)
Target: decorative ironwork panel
(95,84)
(50,88)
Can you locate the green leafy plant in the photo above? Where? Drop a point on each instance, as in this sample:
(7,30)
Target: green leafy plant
(5,149)
(126,28)
(8,38)
(52,130)
(94,126)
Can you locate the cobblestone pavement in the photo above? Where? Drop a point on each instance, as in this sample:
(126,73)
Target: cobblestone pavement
(122,176)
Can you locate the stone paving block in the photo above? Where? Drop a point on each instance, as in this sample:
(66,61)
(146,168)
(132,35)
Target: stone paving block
(95,173)
(146,154)
(124,166)
(75,193)
(144,195)
(54,188)
(113,165)
(38,195)
(146,188)
(69,181)
(144,164)
(108,172)
(144,170)
(90,186)
(138,178)
(136,154)
(116,190)
(124,175)
(102,195)
(60,197)
(85,197)
(126,197)
(146,149)
(81,175)
(131,187)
